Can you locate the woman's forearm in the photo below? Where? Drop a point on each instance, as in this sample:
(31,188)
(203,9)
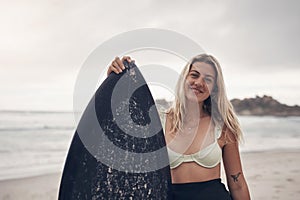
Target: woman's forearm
(241,193)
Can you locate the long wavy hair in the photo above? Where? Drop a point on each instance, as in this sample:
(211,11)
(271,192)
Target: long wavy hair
(216,105)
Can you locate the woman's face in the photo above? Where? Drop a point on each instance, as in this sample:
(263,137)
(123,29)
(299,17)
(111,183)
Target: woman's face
(200,82)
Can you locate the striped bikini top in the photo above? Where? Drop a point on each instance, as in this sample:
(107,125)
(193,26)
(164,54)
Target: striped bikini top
(208,157)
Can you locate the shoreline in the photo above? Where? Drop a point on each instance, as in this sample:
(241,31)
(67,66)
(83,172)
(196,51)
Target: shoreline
(282,150)
(52,172)
(270,175)
(30,188)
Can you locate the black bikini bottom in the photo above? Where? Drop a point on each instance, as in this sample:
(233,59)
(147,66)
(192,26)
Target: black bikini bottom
(210,190)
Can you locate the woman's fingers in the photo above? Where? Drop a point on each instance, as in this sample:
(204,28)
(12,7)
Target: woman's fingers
(113,68)
(120,63)
(127,58)
(117,65)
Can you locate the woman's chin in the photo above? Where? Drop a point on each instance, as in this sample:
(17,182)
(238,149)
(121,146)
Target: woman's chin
(196,97)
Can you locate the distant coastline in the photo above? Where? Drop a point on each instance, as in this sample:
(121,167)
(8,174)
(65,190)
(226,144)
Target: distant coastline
(257,106)
(265,105)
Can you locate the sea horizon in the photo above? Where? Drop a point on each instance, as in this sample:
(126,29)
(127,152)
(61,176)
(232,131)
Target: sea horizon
(36,143)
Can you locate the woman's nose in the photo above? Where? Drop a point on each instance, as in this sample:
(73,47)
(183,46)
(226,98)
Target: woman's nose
(200,82)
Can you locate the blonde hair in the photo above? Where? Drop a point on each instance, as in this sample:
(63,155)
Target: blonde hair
(216,105)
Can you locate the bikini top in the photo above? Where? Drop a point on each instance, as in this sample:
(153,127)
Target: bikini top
(208,157)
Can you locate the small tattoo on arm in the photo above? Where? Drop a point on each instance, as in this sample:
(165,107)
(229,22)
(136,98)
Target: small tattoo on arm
(235,177)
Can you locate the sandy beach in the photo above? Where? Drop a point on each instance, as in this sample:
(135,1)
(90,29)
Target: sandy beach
(270,175)
(273,175)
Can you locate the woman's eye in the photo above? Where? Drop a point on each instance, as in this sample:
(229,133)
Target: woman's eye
(207,80)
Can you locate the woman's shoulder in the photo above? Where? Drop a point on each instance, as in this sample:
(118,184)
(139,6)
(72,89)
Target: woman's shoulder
(164,114)
(165,118)
(227,136)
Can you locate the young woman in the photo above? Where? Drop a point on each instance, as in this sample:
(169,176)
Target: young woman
(201,128)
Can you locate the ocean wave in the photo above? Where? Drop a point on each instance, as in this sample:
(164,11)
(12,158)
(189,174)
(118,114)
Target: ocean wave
(45,127)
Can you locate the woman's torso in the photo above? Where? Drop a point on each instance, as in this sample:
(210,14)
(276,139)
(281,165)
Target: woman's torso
(204,141)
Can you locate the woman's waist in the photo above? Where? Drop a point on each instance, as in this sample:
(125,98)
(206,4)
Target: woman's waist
(215,180)
(191,172)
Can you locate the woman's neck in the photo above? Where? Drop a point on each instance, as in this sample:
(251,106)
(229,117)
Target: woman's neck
(194,111)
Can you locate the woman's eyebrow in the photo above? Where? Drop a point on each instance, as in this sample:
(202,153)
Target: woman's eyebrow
(195,71)
(210,76)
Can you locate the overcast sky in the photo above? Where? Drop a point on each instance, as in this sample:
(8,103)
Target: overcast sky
(43,44)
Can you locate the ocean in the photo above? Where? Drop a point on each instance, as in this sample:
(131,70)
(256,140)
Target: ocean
(36,143)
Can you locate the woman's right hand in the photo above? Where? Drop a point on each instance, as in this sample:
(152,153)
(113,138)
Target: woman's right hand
(117,65)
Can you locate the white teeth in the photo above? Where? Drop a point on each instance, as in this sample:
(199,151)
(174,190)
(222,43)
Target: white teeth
(198,90)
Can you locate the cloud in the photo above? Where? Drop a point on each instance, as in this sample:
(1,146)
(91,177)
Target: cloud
(260,34)
(45,41)
(61,34)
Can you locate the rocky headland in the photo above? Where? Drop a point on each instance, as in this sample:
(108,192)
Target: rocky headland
(264,105)
(257,106)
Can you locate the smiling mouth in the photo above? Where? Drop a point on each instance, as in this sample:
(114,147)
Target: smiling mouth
(197,90)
